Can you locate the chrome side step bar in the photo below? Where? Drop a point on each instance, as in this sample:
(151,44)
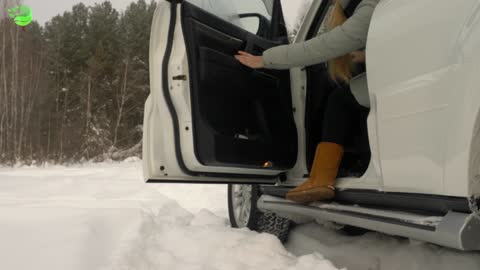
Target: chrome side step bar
(455,230)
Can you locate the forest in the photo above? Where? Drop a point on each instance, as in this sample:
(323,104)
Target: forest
(74,89)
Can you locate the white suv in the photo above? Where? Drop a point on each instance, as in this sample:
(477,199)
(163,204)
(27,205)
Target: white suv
(412,167)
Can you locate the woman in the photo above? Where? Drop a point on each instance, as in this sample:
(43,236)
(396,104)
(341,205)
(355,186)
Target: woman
(340,47)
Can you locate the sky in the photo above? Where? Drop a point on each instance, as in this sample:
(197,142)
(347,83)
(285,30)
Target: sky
(43,10)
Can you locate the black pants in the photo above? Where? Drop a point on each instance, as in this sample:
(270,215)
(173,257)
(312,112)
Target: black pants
(340,116)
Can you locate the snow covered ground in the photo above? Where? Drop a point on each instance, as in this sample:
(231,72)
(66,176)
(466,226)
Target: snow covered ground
(102,216)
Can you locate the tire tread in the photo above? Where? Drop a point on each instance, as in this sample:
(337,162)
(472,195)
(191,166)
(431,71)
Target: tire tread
(267,222)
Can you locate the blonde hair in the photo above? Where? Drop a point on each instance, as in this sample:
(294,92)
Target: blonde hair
(340,68)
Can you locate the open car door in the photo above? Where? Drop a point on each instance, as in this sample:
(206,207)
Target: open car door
(208,118)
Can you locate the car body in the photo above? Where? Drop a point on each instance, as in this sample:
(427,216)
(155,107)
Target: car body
(210,120)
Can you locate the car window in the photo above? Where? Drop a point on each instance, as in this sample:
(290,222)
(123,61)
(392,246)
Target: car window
(230,11)
(324,26)
(255,6)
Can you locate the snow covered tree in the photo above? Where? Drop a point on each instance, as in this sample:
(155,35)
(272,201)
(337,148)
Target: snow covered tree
(302,11)
(75,88)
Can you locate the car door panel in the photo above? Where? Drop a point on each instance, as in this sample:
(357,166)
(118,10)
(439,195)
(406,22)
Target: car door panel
(208,118)
(241,117)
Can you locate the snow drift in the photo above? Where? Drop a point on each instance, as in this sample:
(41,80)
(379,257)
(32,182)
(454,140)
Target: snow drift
(173,238)
(104,217)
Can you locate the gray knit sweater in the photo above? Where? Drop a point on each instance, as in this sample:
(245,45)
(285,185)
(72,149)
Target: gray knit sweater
(344,39)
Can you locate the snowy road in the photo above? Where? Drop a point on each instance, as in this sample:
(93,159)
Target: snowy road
(103,216)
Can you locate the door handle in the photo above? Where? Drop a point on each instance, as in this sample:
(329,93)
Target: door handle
(256,45)
(250,46)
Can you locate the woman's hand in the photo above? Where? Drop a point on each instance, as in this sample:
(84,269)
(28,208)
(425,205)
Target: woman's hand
(358,57)
(249,60)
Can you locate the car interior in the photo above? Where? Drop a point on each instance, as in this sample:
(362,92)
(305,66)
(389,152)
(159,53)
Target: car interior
(319,86)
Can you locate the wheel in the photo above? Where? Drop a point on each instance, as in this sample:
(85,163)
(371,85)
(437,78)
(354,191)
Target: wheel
(243,212)
(242,208)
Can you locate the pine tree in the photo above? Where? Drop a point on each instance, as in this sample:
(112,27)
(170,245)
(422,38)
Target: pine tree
(75,88)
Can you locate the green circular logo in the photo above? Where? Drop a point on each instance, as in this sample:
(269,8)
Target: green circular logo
(22,15)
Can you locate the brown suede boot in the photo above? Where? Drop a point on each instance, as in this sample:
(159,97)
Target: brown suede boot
(320,185)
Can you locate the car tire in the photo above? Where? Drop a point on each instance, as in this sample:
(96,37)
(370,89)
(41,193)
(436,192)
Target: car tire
(243,212)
